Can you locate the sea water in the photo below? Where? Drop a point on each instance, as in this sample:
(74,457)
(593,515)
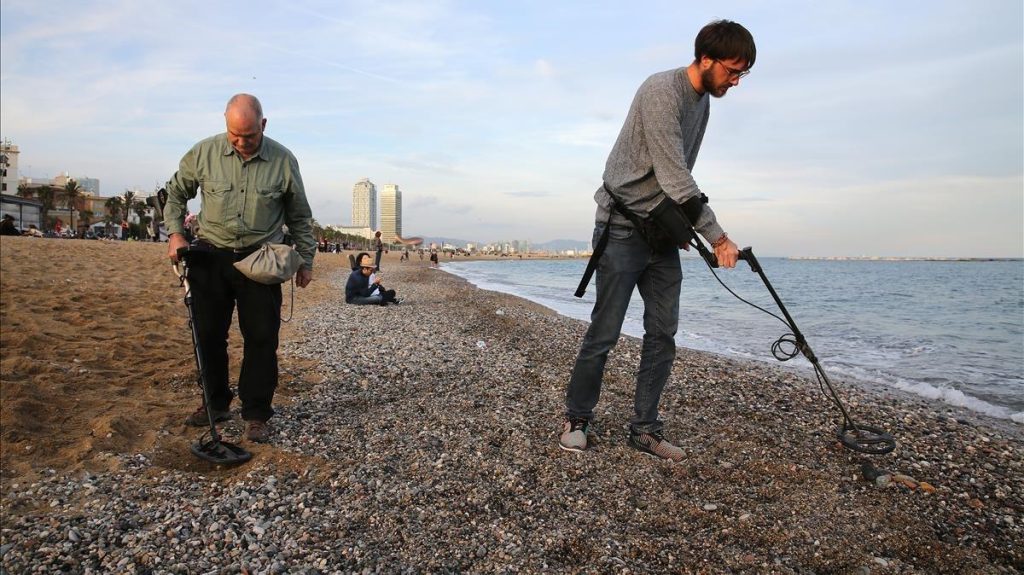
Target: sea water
(946,330)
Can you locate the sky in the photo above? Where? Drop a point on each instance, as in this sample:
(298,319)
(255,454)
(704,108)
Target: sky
(866,128)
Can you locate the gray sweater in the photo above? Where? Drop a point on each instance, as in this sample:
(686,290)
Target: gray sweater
(661,136)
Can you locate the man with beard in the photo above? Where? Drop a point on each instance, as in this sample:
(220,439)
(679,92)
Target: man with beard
(652,160)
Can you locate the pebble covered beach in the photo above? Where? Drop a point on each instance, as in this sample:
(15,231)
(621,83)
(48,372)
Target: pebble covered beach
(422,438)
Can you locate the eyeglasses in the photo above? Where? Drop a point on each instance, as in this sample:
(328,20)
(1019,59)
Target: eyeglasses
(733,73)
(368,268)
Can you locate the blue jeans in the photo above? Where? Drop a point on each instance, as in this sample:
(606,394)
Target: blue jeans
(374,299)
(628,262)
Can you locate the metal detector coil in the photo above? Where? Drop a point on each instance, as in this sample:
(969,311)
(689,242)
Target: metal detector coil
(214,449)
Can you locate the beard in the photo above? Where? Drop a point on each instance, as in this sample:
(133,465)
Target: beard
(707,82)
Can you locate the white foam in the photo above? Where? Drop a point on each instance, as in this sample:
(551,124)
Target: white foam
(956,398)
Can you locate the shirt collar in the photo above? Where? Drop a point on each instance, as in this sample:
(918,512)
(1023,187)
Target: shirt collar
(229,150)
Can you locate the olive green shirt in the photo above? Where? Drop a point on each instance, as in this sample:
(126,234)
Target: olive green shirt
(244,202)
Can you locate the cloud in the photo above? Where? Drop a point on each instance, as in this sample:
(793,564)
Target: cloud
(529,194)
(588,134)
(544,68)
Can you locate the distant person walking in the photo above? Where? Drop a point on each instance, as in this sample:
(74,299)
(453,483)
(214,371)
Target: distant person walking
(652,161)
(378,245)
(251,187)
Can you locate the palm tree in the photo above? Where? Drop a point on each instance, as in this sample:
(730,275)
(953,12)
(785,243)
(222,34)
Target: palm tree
(129,201)
(72,195)
(26,192)
(47,195)
(86,218)
(129,198)
(140,208)
(113,207)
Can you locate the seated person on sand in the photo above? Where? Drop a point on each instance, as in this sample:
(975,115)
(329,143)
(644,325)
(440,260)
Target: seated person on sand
(7,227)
(360,290)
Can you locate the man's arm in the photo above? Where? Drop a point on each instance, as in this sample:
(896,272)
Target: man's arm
(180,189)
(299,219)
(660,110)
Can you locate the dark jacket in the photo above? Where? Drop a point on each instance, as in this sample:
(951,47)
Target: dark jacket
(7,228)
(358,285)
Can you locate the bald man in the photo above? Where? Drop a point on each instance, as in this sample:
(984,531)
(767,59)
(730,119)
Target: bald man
(251,188)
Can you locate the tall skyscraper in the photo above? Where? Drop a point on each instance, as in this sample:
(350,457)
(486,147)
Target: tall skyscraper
(364,204)
(390,213)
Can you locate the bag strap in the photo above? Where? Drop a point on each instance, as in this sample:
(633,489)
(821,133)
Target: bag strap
(602,242)
(595,256)
(291,308)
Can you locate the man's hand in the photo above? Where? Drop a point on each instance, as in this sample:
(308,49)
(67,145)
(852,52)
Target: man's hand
(727,253)
(303,277)
(174,243)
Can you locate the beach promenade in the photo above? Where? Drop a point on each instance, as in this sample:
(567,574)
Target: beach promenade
(422,438)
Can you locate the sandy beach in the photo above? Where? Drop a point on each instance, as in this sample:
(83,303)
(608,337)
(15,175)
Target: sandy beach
(422,438)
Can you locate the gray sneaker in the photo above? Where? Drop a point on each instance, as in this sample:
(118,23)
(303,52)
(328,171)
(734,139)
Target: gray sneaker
(574,434)
(655,444)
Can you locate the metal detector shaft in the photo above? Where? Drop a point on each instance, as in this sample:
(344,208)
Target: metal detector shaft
(747,254)
(214,450)
(214,436)
(863,438)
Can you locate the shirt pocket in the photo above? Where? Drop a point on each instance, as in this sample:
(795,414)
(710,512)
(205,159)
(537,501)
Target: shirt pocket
(216,195)
(266,208)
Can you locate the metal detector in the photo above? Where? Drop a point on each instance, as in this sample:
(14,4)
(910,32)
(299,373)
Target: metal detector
(213,449)
(858,437)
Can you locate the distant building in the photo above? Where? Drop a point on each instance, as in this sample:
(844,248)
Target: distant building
(87,185)
(390,213)
(360,231)
(8,168)
(25,212)
(364,204)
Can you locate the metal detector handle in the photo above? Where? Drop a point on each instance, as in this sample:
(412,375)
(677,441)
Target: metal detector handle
(746,254)
(708,255)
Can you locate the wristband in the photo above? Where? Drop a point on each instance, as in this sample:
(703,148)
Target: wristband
(720,240)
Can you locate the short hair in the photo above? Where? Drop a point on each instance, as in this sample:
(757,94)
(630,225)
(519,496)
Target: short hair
(249,101)
(723,40)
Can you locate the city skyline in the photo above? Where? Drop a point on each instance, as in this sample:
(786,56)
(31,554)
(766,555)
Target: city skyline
(863,128)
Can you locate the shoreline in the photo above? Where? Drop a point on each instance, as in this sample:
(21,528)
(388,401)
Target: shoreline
(804,369)
(404,444)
